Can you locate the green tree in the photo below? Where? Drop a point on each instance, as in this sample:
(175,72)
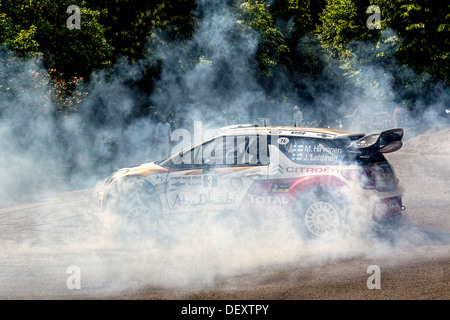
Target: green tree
(32,26)
(21,41)
(256,15)
(343,21)
(296,19)
(130,23)
(424,28)
(421,25)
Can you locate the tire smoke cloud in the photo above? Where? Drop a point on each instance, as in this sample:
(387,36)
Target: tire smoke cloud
(44,154)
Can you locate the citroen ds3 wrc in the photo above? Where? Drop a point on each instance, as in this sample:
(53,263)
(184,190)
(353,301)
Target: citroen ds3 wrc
(313,176)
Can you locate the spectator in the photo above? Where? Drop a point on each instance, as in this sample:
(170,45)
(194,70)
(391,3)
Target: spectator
(400,116)
(163,132)
(323,121)
(298,117)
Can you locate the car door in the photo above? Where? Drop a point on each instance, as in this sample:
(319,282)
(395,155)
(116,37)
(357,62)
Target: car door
(184,182)
(238,167)
(214,175)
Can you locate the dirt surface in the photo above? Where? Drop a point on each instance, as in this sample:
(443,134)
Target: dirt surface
(433,142)
(47,246)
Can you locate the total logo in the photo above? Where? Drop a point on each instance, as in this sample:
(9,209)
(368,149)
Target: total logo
(268,199)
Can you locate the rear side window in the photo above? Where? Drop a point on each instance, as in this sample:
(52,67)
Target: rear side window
(316,151)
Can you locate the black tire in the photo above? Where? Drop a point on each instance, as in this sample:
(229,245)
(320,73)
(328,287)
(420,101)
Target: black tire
(137,204)
(320,213)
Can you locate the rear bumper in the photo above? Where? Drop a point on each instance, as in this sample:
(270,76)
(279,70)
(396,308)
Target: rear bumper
(387,209)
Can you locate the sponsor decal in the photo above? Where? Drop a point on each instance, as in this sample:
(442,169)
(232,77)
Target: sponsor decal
(279,199)
(312,170)
(188,180)
(280,187)
(177,184)
(283,141)
(203,199)
(209,181)
(277,169)
(236,184)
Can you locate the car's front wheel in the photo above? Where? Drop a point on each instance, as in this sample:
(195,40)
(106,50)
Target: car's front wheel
(319,213)
(136,204)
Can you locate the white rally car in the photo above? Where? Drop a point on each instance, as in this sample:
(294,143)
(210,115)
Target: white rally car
(313,176)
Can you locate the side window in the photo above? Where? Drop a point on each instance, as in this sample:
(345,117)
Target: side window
(183,160)
(225,151)
(247,150)
(212,152)
(237,151)
(220,151)
(252,150)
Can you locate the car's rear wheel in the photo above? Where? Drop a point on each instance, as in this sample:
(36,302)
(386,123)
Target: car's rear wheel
(319,213)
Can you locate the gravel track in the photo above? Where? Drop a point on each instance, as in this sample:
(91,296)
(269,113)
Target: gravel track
(41,240)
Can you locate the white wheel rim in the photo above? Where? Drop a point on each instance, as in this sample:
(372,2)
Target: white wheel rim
(138,220)
(321,218)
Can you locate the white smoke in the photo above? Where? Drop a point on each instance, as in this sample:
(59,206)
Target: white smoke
(207,75)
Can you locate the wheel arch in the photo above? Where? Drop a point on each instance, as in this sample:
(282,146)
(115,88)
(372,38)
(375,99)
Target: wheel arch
(325,182)
(337,192)
(113,188)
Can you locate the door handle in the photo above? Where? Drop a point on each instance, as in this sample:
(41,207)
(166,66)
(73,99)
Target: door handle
(253,175)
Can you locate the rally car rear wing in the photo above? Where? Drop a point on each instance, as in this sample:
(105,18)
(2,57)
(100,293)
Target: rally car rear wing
(384,142)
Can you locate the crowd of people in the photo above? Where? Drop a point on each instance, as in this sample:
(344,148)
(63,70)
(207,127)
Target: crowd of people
(358,120)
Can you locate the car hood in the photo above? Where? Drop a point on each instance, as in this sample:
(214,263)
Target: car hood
(145,169)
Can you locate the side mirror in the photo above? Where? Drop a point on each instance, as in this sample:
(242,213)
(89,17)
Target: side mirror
(206,166)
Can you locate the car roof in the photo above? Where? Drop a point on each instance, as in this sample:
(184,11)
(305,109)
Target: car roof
(324,133)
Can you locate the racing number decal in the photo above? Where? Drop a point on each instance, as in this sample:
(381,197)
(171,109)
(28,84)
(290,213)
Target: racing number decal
(283,141)
(209,181)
